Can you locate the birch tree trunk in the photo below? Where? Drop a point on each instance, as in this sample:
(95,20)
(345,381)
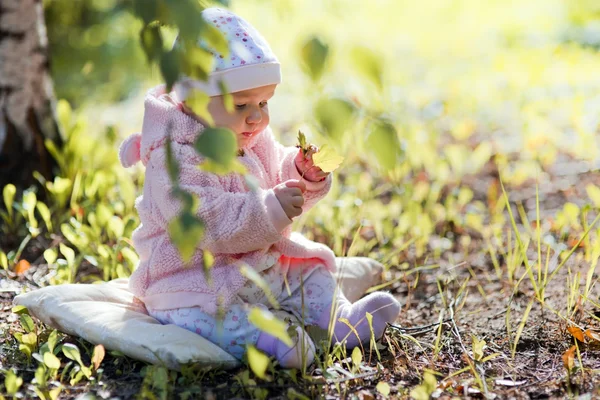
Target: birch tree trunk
(27,102)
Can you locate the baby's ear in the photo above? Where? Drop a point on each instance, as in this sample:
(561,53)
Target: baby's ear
(129,152)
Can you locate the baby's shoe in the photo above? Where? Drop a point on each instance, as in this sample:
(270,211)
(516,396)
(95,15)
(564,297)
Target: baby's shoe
(288,357)
(382,306)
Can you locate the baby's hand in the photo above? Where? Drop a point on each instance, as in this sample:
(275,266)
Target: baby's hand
(306,166)
(290,197)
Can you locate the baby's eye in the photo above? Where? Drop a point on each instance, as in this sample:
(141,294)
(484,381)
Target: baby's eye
(240,106)
(263,104)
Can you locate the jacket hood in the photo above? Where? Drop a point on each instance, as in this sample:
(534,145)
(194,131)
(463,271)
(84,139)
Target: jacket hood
(163,116)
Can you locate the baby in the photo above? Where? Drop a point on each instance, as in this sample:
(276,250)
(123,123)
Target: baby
(243,227)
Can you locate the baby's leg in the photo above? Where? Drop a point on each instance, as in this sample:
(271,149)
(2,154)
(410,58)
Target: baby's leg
(325,305)
(233,332)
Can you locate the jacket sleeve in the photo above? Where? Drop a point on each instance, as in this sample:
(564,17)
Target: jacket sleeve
(279,162)
(235,222)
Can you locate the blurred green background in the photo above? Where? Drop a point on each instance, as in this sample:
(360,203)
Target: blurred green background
(523,74)
(418,96)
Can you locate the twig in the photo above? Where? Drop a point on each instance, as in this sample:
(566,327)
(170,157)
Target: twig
(417,330)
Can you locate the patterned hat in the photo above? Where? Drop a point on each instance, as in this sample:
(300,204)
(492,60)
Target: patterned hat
(250,64)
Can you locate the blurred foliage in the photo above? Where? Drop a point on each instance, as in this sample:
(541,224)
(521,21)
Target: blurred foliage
(95,51)
(419,97)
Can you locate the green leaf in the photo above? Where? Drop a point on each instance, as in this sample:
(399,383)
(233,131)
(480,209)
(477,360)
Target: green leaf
(52,340)
(170,68)
(327,159)
(186,15)
(171,161)
(45,213)
(12,382)
(8,193)
(29,202)
(373,341)
(54,393)
(257,361)
(368,63)
(72,353)
(29,339)
(383,388)
(26,349)
(227,97)
(147,10)
(69,254)
(218,145)
(116,227)
(257,279)
(267,322)
(186,232)
(426,388)
(384,144)
(196,62)
(478,346)
(302,142)
(314,54)
(356,357)
(20,310)
(3,260)
(594,194)
(215,39)
(51,360)
(152,42)
(198,101)
(335,116)
(27,323)
(50,255)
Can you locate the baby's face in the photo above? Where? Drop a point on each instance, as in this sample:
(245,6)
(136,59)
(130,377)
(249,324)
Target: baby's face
(250,114)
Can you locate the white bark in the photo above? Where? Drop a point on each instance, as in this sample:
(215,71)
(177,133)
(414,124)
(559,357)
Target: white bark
(25,83)
(26,94)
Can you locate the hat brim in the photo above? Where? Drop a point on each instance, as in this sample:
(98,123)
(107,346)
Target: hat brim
(234,80)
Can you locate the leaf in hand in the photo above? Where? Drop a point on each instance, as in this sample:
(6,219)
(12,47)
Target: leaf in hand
(302,143)
(327,159)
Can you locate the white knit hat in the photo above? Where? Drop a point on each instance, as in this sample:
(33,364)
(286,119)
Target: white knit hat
(251,62)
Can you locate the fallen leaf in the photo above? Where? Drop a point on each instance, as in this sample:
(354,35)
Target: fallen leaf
(569,358)
(327,159)
(383,388)
(98,356)
(365,395)
(594,335)
(576,332)
(22,266)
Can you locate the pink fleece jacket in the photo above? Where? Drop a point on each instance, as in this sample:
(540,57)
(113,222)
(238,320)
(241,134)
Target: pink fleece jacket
(241,225)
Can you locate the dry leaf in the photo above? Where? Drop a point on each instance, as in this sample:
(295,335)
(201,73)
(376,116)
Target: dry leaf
(576,332)
(98,356)
(594,335)
(569,358)
(22,266)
